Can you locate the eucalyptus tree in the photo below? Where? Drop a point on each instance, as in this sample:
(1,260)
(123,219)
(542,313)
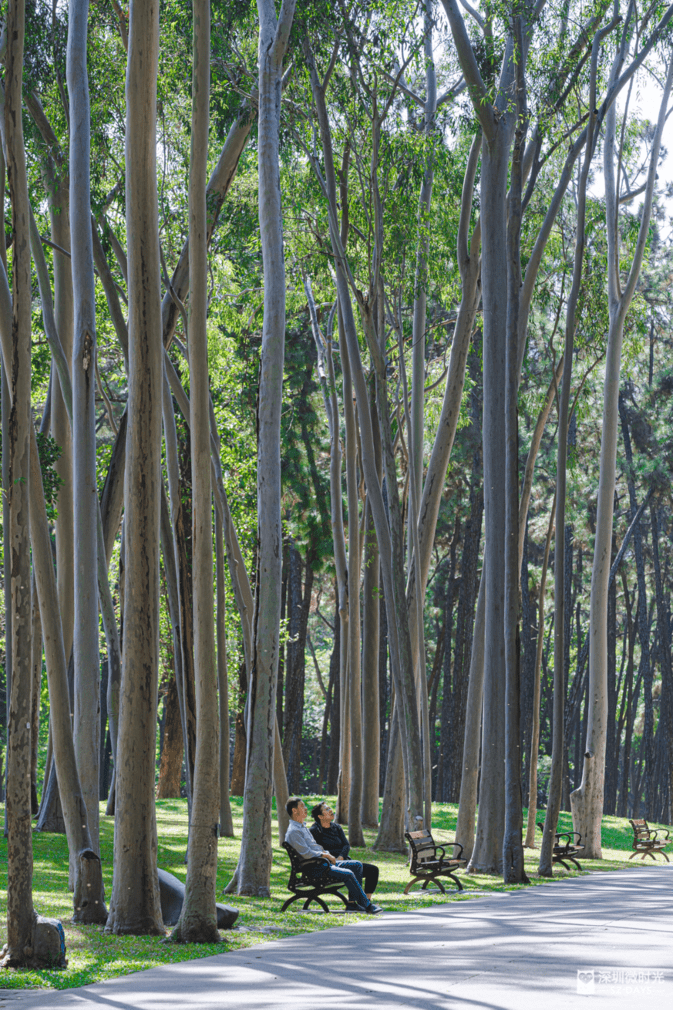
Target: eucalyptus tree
(255,862)
(198,919)
(86,725)
(587,800)
(134,905)
(21,916)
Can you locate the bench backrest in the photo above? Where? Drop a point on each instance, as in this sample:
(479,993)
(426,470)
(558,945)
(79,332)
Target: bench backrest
(423,848)
(296,862)
(641,830)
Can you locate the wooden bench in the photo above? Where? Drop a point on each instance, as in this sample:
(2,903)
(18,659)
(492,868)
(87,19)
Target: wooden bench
(646,840)
(429,861)
(567,849)
(304,887)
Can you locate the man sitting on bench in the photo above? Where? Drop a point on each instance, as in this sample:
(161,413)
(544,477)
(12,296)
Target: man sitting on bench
(301,839)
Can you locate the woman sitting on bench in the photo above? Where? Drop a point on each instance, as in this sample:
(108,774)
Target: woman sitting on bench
(331,836)
(300,838)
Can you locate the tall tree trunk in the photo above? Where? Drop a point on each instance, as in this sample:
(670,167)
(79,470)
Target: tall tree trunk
(467,807)
(643,635)
(353,715)
(226,822)
(198,919)
(371,723)
(135,905)
(587,801)
(390,837)
(21,916)
(512,846)
(663,619)
(294,671)
(86,723)
(535,734)
(560,623)
(254,866)
(58,198)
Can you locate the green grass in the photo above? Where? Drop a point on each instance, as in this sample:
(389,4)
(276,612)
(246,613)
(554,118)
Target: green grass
(94,956)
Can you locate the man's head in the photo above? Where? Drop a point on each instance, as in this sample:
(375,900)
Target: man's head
(296,809)
(322,813)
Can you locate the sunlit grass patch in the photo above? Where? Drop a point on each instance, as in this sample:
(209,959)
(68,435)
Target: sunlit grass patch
(94,955)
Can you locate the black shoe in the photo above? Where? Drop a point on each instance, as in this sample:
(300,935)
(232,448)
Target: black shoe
(353,906)
(373,909)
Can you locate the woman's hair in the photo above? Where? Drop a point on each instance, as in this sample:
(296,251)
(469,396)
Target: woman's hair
(317,810)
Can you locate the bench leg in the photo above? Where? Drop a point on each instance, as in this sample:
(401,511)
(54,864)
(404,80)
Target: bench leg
(664,855)
(573,860)
(434,880)
(414,880)
(314,897)
(557,859)
(455,879)
(633,854)
(290,901)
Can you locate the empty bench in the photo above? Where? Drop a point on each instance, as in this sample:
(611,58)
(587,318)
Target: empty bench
(429,861)
(305,888)
(647,840)
(565,847)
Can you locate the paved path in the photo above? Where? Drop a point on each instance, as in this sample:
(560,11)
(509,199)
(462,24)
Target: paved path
(511,951)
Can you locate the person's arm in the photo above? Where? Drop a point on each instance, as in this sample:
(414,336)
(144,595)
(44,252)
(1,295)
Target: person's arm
(303,842)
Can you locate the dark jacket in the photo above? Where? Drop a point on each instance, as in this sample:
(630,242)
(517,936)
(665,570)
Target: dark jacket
(332,839)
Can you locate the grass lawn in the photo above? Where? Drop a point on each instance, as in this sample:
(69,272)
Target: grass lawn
(94,956)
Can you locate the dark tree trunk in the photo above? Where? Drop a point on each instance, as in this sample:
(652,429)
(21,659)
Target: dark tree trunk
(240,741)
(335,718)
(666,717)
(170,768)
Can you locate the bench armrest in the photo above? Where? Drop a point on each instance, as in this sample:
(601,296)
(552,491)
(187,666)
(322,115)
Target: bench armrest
(457,845)
(438,849)
(655,832)
(305,863)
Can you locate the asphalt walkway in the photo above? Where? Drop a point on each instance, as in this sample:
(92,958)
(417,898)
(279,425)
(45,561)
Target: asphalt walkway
(605,940)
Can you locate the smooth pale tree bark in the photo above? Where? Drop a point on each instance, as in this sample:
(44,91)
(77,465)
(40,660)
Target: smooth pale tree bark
(530,840)
(371,741)
(327,378)
(86,722)
(21,917)
(512,845)
(497,123)
(198,919)
(556,773)
(467,807)
(58,197)
(421,278)
(529,469)
(352,709)
(587,801)
(226,822)
(254,866)
(135,906)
